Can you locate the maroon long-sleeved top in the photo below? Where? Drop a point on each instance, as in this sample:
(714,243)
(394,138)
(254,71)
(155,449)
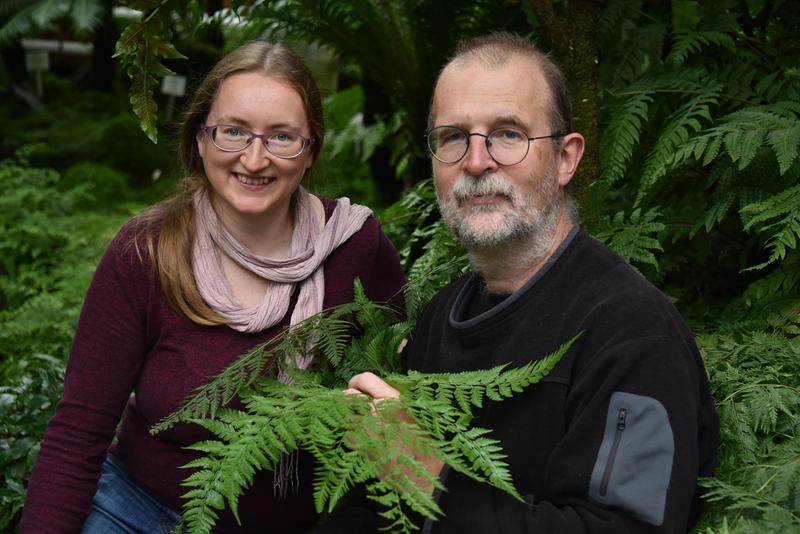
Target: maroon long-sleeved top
(130,341)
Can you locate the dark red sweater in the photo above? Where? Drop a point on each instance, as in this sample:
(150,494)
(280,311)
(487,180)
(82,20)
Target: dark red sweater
(130,341)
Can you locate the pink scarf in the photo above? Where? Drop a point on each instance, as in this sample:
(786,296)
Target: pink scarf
(310,246)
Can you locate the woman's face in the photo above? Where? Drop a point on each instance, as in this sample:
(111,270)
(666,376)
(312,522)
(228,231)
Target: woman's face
(253,185)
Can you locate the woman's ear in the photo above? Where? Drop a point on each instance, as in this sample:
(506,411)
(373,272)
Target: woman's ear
(570,154)
(200,144)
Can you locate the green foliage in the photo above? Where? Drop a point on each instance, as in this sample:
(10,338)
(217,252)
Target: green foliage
(754,379)
(423,240)
(101,183)
(31,236)
(141,48)
(689,42)
(779,217)
(352,441)
(634,239)
(26,405)
(28,17)
(82,126)
(349,143)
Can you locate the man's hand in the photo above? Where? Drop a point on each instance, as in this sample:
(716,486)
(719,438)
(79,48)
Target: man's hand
(374,387)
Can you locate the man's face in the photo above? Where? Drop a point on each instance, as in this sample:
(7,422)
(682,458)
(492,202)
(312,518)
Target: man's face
(484,203)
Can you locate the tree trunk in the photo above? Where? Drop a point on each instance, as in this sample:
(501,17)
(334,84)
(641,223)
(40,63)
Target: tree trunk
(574,39)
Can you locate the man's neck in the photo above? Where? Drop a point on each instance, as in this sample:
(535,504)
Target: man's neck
(506,268)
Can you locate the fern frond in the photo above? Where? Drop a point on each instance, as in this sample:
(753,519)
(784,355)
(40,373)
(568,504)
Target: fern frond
(471,448)
(628,63)
(742,133)
(141,48)
(20,23)
(614,15)
(779,216)
(280,419)
(622,135)
(679,126)
(86,15)
(692,41)
(633,239)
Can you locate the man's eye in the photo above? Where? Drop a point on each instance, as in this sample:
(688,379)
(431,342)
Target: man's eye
(507,134)
(451,137)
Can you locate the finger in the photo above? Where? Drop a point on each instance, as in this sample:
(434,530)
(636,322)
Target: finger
(402,345)
(372,385)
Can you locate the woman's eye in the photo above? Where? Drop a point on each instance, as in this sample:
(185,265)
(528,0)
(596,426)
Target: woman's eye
(282,137)
(230,131)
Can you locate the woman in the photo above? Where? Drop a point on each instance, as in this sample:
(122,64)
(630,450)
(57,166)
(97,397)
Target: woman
(242,252)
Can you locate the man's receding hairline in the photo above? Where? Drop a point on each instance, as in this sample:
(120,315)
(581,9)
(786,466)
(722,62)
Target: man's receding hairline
(477,56)
(491,59)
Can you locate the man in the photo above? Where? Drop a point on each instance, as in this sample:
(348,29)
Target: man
(615,437)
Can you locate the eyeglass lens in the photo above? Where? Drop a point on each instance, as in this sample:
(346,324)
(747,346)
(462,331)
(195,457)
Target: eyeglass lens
(508,146)
(281,144)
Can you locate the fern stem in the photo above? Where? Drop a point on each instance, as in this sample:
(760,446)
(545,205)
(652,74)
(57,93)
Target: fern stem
(155,11)
(758,385)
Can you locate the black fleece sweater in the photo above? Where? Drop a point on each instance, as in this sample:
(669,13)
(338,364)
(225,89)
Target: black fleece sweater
(613,440)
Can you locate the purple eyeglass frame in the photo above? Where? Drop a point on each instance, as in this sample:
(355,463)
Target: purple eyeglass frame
(251,136)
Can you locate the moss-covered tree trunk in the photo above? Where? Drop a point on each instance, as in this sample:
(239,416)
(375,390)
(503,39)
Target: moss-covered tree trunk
(573,36)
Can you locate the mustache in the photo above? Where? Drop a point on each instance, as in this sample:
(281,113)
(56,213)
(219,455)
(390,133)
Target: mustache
(477,186)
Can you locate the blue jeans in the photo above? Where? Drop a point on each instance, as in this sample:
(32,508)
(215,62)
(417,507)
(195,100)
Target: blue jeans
(121,506)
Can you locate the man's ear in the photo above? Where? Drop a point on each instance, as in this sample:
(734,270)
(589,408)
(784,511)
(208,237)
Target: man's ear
(570,154)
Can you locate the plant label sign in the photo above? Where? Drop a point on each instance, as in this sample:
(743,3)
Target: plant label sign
(37,60)
(173,85)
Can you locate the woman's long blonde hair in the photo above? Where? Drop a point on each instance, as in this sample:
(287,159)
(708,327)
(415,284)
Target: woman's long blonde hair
(173,257)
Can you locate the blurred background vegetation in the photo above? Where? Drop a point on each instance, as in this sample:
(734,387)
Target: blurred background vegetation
(690,110)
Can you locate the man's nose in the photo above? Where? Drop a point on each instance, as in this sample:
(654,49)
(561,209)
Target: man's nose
(477,160)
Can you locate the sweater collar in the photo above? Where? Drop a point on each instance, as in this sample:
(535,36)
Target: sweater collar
(475,283)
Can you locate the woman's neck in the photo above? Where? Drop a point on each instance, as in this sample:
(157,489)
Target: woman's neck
(268,234)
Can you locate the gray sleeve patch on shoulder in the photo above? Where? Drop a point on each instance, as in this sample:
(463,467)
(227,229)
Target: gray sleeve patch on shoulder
(634,463)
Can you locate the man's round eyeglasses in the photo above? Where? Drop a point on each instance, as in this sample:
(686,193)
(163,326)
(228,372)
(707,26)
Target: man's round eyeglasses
(507,146)
(231,138)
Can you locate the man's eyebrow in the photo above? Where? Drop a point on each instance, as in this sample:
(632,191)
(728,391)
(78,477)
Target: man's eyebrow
(509,120)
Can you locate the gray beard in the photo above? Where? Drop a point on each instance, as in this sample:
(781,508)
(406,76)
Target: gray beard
(530,219)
